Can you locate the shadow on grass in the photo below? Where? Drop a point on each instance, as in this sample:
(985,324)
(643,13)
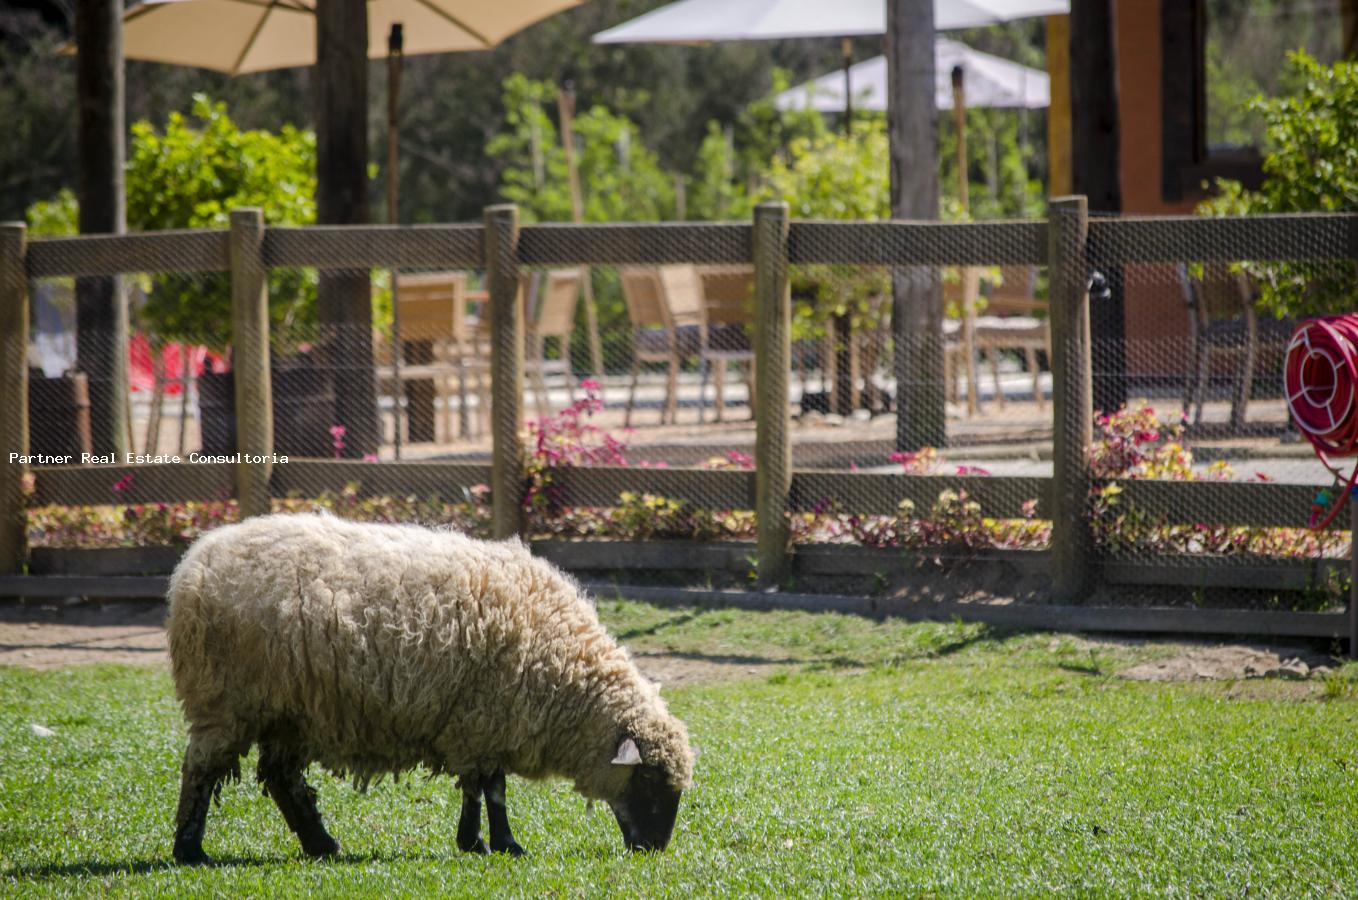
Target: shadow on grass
(652,630)
(99,869)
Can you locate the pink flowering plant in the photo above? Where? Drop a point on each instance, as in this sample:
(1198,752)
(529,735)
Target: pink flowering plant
(1133,444)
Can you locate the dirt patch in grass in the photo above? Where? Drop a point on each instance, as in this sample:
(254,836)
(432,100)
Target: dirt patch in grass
(51,636)
(1228,662)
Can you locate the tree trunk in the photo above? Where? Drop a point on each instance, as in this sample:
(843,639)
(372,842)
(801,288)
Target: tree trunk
(344,302)
(917,307)
(101,305)
(1095,139)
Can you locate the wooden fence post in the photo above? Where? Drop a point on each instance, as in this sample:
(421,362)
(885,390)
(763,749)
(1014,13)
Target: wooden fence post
(250,360)
(14,389)
(506,370)
(773,362)
(1072,396)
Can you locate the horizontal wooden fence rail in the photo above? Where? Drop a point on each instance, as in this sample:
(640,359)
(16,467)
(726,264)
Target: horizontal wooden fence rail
(126,485)
(110,254)
(1172,239)
(306,477)
(1222,502)
(1121,241)
(918,243)
(375,246)
(635,244)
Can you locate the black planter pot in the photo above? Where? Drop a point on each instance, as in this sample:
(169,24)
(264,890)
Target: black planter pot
(303,409)
(59,414)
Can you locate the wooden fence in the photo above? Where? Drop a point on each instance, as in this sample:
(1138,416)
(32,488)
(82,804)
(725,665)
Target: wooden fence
(1070,243)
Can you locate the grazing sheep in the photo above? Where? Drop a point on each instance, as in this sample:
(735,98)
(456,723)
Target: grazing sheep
(372,649)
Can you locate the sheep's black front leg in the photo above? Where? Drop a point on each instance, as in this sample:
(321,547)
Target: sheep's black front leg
(195,796)
(281,775)
(469,823)
(501,840)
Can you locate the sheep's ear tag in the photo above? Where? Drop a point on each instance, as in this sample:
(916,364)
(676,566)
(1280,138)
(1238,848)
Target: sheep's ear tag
(628,754)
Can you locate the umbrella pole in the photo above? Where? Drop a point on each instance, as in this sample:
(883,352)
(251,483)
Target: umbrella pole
(565,105)
(395,46)
(959,116)
(846,47)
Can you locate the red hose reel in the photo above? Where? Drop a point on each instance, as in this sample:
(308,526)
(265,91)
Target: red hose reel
(1320,378)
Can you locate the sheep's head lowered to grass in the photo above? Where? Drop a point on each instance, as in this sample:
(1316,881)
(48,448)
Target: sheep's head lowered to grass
(373,649)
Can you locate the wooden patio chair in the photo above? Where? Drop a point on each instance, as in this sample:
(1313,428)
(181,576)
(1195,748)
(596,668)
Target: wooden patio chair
(959,349)
(728,312)
(438,349)
(1222,319)
(550,299)
(1015,319)
(665,307)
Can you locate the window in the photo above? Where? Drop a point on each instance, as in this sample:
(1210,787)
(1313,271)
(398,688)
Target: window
(1245,47)
(1216,56)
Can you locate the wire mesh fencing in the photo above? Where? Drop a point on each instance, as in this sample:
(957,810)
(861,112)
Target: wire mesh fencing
(945,417)
(944,396)
(1198,467)
(126,418)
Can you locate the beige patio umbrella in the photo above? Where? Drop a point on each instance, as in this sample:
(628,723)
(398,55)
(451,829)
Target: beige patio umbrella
(242,36)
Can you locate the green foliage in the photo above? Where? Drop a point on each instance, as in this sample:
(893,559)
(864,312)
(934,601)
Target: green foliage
(191,175)
(620,177)
(999,167)
(54,218)
(832,175)
(1311,166)
(714,193)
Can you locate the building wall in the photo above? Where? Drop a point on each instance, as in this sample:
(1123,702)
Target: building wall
(1157,322)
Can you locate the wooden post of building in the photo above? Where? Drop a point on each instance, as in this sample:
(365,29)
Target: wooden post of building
(773,363)
(506,370)
(1058,114)
(250,360)
(1072,396)
(14,387)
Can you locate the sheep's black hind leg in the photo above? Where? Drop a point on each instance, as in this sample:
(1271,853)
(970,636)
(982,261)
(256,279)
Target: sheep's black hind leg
(469,822)
(281,775)
(501,840)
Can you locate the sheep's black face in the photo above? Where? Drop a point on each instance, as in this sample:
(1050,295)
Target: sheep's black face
(647,809)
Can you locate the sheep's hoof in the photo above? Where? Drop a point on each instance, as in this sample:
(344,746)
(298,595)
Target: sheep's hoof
(320,848)
(190,856)
(512,848)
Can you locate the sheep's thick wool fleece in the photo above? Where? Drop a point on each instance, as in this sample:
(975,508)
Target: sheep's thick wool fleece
(376,648)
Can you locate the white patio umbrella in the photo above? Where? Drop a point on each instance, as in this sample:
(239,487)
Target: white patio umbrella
(706,21)
(992,82)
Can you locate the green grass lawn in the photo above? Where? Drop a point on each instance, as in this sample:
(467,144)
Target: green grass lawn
(881,758)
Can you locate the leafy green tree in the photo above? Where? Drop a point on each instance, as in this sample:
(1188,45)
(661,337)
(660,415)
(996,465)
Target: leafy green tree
(835,176)
(1311,165)
(192,174)
(620,177)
